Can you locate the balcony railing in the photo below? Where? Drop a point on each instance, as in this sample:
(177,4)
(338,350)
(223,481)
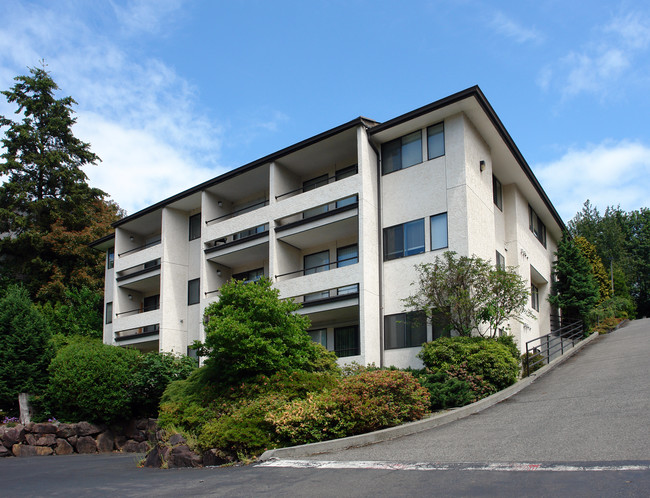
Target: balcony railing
(144,309)
(237,238)
(331,295)
(324,267)
(340,175)
(146,331)
(237,212)
(140,248)
(137,270)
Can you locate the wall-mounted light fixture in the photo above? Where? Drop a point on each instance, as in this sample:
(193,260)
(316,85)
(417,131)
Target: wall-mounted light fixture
(219,203)
(482,166)
(131,238)
(218,273)
(130,297)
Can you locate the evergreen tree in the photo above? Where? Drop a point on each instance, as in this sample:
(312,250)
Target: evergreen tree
(45,199)
(25,352)
(597,268)
(574,288)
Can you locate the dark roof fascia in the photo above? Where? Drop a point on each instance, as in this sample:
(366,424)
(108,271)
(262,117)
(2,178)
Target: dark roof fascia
(105,238)
(360,121)
(476,92)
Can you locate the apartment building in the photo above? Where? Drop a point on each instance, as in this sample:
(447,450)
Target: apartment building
(338,222)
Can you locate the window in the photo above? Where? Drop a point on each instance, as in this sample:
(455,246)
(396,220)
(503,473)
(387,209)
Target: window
(316,263)
(348,201)
(436,140)
(250,232)
(405,330)
(109,312)
(316,296)
(346,256)
(501,261)
(404,240)
(193,291)
(319,336)
(497,193)
(110,258)
(534,297)
(250,275)
(536,226)
(402,152)
(346,172)
(439,231)
(152,264)
(347,289)
(195,226)
(346,341)
(440,326)
(151,303)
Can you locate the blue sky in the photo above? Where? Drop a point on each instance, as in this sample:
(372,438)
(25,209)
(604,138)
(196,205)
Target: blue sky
(172,92)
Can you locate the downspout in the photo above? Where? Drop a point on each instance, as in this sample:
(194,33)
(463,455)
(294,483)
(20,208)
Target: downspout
(380,259)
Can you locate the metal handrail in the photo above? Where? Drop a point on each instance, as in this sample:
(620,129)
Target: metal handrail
(314,186)
(139,310)
(139,248)
(320,266)
(252,207)
(569,332)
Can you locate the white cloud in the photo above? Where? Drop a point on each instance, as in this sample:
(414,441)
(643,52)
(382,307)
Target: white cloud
(511,29)
(610,173)
(139,116)
(605,63)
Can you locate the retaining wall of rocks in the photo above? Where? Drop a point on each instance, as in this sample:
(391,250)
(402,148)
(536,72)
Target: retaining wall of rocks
(136,436)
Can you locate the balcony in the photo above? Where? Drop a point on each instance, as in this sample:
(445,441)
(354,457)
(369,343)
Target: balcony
(238,211)
(129,275)
(241,248)
(319,181)
(321,224)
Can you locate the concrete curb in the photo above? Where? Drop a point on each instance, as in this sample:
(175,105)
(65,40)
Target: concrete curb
(424,424)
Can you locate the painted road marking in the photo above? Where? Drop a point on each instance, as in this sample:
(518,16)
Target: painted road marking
(494,467)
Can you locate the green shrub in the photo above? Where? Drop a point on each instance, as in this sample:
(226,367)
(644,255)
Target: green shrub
(492,360)
(25,350)
(509,342)
(454,387)
(91,381)
(153,372)
(250,331)
(369,401)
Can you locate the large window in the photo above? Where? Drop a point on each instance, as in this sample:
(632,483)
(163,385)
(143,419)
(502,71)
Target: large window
(110,258)
(195,226)
(250,232)
(536,226)
(405,330)
(404,240)
(402,152)
(109,312)
(534,297)
(317,262)
(319,336)
(497,193)
(312,184)
(436,140)
(346,172)
(250,275)
(347,255)
(439,231)
(193,291)
(440,326)
(346,341)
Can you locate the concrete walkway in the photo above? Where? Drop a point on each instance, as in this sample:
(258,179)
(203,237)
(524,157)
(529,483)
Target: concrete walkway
(593,407)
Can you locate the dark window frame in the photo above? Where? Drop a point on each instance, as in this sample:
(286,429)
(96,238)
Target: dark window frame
(406,251)
(194,223)
(410,330)
(389,149)
(347,261)
(108,318)
(245,275)
(500,261)
(110,258)
(497,193)
(437,133)
(344,350)
(536,226)
(193,291)
(438,216)
(318,268)
(534,297)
